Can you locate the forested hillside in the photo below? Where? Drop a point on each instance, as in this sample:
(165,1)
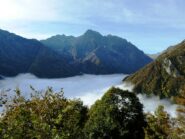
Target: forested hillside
(165,76)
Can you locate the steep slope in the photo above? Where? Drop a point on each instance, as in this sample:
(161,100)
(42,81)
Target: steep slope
(155,56)
(165,76)
(16,53)
(67,56)
(99,54)
(20,55)
(49,64)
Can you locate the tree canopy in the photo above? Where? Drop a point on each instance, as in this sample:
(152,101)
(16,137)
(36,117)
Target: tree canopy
(119,114)
(49,115)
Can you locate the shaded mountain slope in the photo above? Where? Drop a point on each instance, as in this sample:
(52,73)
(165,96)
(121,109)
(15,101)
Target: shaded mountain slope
(99,54)
(65,56)
(20,55)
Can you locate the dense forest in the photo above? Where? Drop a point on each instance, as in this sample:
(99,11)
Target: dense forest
(118,114)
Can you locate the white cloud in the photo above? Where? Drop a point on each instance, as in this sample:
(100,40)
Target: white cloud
(88,88)
(9,10)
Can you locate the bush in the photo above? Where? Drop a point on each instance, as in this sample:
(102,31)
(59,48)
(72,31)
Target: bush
(47,115)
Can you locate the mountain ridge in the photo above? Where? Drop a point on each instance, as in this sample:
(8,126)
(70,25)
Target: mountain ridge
(18,55)
(165,76)
(89,53)
(94,49)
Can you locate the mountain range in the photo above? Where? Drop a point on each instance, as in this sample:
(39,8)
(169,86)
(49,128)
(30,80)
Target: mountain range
(63,56)
(20,55)
(165,76)
(98,54)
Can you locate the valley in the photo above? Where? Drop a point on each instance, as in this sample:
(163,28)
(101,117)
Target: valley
(89,88)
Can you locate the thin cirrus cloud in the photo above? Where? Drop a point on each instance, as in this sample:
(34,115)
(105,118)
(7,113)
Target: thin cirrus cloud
(151,25)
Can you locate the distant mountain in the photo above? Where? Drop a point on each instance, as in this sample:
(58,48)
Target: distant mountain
(97,54)
(20,55)
(154,56)
(165,76)
(65,56)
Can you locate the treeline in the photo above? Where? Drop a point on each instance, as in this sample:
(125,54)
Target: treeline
(117,115)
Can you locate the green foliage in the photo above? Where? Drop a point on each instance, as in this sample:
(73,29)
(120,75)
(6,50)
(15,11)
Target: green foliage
(47,115)
(158,125)
(162,126)
(180,129)
(117,115)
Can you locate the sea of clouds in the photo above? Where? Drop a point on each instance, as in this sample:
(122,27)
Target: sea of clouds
(88,88)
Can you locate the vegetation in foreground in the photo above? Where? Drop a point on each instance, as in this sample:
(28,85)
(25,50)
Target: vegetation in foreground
(118,114)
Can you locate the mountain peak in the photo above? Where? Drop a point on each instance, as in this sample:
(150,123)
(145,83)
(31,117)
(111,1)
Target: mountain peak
(60,37)
(90,32)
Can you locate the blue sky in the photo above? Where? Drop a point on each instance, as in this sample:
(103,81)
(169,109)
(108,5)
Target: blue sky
(152,25)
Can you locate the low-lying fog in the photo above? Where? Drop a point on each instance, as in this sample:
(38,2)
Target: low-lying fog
(88,88)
